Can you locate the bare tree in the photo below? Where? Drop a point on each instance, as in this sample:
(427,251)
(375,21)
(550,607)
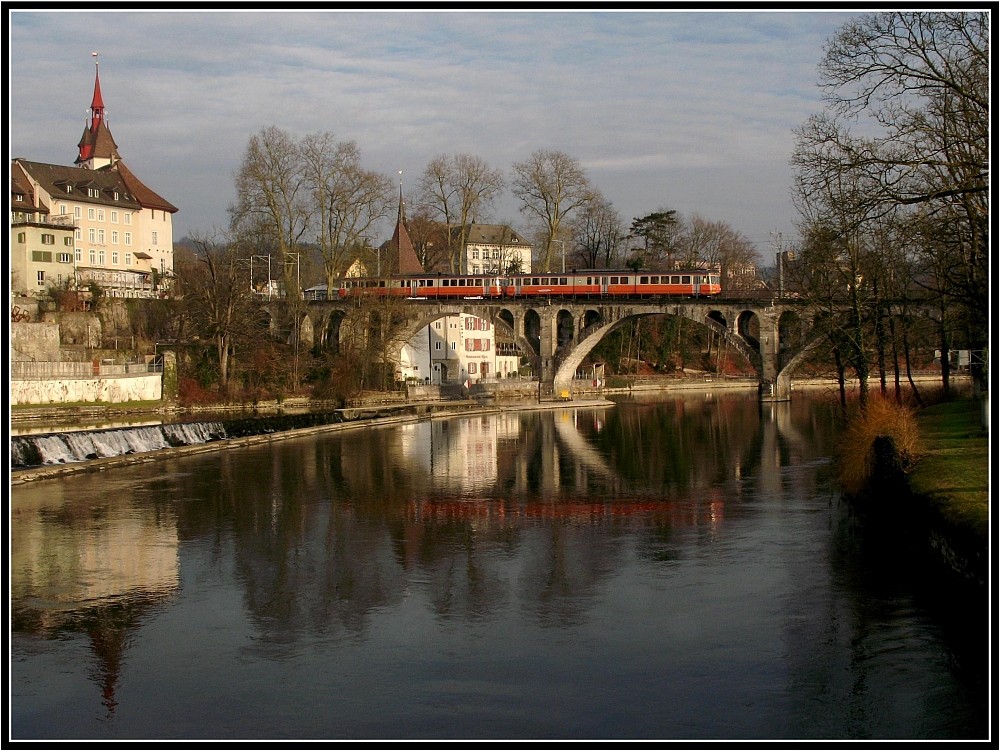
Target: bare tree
(550,185)
(272,195)
(216,290)
(430,240)
(348,199)
(598,234)
(916,85)
(458,190)
(718,245)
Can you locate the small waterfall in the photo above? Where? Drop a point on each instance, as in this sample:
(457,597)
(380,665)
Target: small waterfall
(78,446)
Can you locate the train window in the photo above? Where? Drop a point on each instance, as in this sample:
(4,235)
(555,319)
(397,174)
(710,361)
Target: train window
(644,280)
(564,281)
(588,280)
(685,280)
(654,280)
(675,280)
(534,280)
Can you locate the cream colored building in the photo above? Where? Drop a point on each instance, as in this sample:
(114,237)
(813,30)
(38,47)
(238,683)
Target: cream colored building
(456,349)
(495,249)
(122,232)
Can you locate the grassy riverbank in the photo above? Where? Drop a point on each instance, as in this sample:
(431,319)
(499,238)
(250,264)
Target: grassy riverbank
(953,469)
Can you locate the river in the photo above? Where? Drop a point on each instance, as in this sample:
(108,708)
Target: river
(680,568)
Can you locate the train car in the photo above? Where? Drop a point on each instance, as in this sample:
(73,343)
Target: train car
(600,283)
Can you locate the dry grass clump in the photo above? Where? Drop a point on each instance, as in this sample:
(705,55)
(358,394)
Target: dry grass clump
(883,418)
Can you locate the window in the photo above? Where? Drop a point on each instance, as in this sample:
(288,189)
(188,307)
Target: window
(114,237)
(62,209)
(114,257)
(472,368)
(21,237)
(78,233)
(128,259)
(76,211)
(92,234)
(101,257)
(100,236)
(90,213)
(41,256)
(79,255)
(93,256)
(154,237)
(93,192)
(475,255)
(128,218)
(48,239)
(69,189)
(114,214)
(100,215)
(41,278)
(437,345)
(128,236)
(65,258)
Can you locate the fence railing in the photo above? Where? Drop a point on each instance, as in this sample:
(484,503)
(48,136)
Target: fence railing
(51,371)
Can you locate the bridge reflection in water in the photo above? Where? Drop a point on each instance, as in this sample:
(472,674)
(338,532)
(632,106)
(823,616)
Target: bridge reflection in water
(441,550)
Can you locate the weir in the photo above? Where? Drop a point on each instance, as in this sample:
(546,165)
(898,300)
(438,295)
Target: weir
(79,446)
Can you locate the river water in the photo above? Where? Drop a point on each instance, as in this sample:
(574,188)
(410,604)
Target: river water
(678,569)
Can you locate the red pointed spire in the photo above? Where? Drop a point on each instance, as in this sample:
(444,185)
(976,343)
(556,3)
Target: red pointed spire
(97,105)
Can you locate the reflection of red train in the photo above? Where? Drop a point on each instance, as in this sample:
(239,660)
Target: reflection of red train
(594,283)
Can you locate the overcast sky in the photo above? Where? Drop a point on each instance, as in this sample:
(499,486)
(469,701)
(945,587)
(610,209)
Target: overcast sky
(692,111)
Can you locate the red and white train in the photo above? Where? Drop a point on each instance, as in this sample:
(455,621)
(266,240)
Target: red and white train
(599,283)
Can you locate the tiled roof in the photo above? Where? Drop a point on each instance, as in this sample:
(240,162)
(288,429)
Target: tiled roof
(147,197)
(55,179)
(493,234)
(99,144)
(404,260)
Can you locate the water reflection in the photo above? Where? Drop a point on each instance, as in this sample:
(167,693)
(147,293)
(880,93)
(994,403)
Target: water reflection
(515,523)
(90,567)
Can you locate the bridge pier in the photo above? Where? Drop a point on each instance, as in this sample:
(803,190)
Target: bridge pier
(775,386)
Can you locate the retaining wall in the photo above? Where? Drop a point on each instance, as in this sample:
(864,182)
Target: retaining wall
(106,390)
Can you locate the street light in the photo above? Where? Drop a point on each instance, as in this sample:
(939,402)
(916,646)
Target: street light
(563,244)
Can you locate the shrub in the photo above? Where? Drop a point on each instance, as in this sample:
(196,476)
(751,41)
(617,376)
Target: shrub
(883,437)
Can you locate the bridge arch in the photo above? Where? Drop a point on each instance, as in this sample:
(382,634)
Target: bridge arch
(556,337)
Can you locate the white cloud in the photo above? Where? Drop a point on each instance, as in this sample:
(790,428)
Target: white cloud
(689,110)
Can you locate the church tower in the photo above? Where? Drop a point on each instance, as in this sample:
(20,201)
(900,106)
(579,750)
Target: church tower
(97,147)
(403,258)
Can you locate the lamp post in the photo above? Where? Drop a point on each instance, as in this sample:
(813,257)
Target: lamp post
(563,244)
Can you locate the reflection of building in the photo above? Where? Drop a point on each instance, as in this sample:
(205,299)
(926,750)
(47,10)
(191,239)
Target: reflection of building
(96,575)
(462,452)
(95,222)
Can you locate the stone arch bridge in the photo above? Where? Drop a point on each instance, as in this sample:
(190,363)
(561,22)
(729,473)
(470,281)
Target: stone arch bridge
(556,334)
